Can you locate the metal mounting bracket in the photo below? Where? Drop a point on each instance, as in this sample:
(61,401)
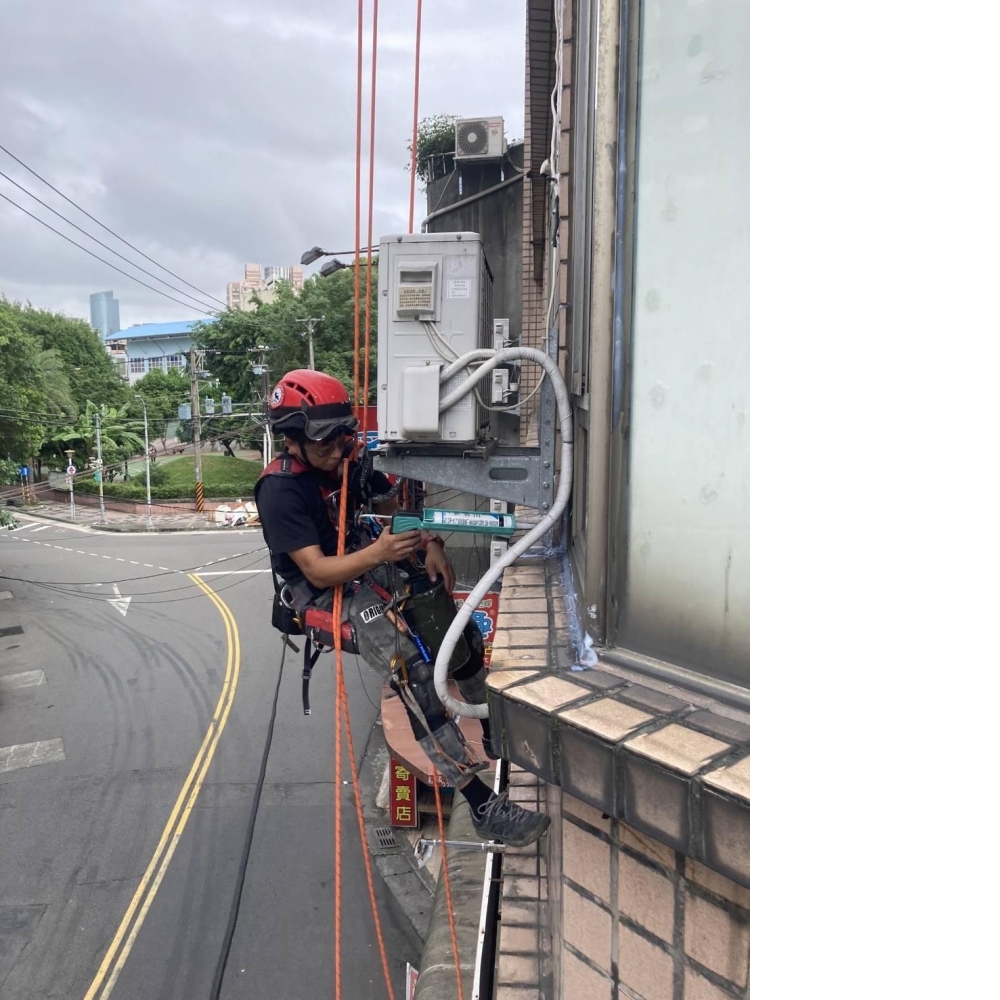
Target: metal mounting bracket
(518,475)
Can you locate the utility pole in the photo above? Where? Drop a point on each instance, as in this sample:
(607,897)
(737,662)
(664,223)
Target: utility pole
(69,477)
(310,323)
(145,436)
(265,388)
(100,466)
(199,486)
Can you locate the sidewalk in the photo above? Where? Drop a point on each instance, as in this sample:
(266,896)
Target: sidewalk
(51,510)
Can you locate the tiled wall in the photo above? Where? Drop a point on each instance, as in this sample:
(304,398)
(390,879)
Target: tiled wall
(633,914)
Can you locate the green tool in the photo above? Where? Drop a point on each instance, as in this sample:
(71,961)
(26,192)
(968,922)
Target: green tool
(438,519)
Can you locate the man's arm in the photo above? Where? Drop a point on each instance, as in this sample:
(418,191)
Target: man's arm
(330,571)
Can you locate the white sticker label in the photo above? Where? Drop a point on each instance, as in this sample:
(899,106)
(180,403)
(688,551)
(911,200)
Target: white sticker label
(459,288)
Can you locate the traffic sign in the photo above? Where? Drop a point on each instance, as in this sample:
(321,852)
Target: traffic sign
(70,470)
(24,471)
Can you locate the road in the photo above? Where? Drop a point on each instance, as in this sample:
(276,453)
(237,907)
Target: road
(124,811)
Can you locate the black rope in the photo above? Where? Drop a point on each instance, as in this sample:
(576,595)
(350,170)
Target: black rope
(234,910)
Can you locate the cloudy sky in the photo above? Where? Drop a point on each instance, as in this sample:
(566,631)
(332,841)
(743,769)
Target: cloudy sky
(213,132)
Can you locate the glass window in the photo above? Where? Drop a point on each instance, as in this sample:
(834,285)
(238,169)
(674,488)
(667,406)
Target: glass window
(137,366)
(175,361)
(685,592)
(156,363)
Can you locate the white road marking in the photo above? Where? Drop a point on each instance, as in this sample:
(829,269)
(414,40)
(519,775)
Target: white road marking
(134,562)
(119,602)
(41,527)
(166,569)
(149,566)
(5,595)
(30,754)
(47,545)
(25,679)
(232,572)
(21,527)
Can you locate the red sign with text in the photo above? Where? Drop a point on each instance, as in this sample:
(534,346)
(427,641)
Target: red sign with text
(402,795)
(485,617)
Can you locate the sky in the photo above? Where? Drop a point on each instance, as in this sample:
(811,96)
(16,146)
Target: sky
(209,133)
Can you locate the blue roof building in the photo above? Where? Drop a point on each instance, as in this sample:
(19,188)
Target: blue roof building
(150,346)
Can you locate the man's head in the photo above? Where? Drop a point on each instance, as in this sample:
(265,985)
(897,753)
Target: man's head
(313,410)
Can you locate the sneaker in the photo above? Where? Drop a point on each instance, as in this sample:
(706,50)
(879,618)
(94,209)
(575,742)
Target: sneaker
(501,819)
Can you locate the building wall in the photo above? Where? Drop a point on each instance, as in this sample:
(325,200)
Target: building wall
(637,915)
(166,353)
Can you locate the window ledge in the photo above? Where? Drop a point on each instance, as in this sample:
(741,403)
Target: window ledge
(670,763)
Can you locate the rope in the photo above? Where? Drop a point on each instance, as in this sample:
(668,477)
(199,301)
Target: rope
(338,644)
(371,206)
(416,95)
(447,884)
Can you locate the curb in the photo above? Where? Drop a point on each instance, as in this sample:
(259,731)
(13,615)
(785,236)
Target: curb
(134,529)
(410,885)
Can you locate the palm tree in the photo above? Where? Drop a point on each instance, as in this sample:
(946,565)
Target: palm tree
(118,440)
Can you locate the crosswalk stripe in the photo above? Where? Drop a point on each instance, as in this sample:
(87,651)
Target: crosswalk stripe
(31,754)
(25,679)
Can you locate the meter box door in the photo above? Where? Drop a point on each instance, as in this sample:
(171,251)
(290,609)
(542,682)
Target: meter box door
(435,303)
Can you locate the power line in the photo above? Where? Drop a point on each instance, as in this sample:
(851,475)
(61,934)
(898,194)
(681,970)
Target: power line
(132,263)
(108,229)
(114,267)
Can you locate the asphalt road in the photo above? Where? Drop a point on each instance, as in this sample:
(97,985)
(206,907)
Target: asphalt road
(123,810)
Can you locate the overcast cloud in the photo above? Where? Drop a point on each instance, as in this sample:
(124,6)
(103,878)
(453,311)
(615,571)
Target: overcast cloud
(214,132)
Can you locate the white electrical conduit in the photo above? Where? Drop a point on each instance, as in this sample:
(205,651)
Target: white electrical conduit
(548,521)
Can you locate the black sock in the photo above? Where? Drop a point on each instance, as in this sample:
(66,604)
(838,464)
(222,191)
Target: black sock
(477,793)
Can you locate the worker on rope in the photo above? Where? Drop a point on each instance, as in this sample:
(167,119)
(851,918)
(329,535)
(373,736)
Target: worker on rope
(397,606)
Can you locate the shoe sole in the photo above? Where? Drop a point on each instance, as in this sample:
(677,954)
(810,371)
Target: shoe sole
(527,841)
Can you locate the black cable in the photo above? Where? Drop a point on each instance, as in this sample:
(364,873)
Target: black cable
(96,257)
(147,576)
(234,909)
(122,256)
(106,228)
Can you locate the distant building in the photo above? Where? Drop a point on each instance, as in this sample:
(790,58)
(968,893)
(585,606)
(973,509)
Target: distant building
(104,313)
(239,294)
(151,347)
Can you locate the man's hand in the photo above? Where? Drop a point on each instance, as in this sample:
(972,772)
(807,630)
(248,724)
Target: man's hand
(392,548)
(436,563)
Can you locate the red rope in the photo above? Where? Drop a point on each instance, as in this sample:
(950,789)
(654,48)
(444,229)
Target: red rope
(371,207)
(338,606)
(447,884)
(416,97)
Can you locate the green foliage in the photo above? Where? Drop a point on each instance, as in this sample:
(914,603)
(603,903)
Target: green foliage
(223,477)
(7,519)
(162,393)
(435,138)
(23,402)
(274,325)
(90,372)
(8,471)
(119,437)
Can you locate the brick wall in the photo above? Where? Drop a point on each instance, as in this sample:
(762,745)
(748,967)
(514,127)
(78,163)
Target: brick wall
(638,916)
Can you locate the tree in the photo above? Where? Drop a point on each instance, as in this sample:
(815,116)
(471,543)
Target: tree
(23,401)
(163,392)
(435,140)
(119,438)
(88,367)
(237,335)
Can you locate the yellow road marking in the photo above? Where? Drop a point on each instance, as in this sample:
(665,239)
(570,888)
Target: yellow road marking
(153,876)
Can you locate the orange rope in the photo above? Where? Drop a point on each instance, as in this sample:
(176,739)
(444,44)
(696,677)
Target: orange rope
(416,96)
(357,209)
(371,207)
(447,885)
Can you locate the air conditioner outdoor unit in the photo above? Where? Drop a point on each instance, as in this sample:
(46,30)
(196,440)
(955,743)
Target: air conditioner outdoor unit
(479,139)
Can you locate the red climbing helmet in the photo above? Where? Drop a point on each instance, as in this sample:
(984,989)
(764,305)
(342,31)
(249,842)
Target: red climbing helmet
(312,403)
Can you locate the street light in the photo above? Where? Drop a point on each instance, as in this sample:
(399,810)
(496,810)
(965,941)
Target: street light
(145,434)
(311,256)
(331,266)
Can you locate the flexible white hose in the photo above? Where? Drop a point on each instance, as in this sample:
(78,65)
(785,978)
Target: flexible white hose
(548,521)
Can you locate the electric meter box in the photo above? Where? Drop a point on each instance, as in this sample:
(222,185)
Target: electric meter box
(435,303)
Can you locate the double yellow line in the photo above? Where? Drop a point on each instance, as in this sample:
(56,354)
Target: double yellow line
(118,951)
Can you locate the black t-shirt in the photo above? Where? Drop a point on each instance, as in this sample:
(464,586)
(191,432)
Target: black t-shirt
(294,515)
